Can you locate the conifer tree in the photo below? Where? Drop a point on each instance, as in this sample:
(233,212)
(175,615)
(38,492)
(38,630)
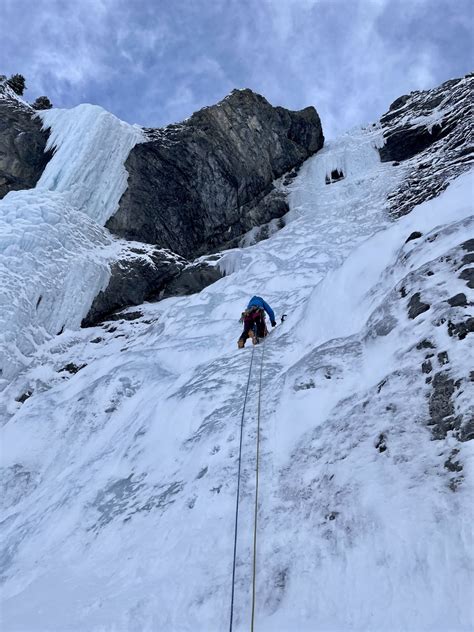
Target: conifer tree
(42,103)
(17,84)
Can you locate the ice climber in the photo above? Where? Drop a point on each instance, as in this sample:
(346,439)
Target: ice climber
(253,319)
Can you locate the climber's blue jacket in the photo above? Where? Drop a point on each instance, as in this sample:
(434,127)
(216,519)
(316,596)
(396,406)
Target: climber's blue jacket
(257,301)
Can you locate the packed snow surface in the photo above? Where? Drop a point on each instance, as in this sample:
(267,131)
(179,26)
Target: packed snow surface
(121,479)
(53,247)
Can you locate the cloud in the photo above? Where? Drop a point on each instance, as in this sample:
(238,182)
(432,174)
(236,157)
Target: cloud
(154,61)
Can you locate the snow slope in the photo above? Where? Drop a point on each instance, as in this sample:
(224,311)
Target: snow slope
(120,479)
(53,247)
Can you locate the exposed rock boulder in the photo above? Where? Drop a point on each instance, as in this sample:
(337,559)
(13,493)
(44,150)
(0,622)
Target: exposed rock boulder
(199,185)
(145,274)
(459,300)
(193,278)
(414,235)
(266,217)
(408,140)
(434,127)
(416,307)
(137,275)
(22,143)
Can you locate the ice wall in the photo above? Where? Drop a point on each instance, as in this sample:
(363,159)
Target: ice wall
(91,146)
(53,247)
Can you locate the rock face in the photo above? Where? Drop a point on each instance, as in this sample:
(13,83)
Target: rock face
(191,279)
(137,275)
(435,127)
(146,273)
(22,144)
(199,185)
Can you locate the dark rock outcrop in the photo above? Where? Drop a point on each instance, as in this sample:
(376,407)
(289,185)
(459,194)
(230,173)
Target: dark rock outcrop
(200,185)
(72,368)
(468,275)
(434,128)
(138,275)
(416,306)
(192,279)
(414,235)
(461,328)
(459,300)
(147,274)
(22,144)
(407,141)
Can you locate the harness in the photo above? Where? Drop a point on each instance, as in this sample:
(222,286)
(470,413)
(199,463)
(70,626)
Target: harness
(252,314)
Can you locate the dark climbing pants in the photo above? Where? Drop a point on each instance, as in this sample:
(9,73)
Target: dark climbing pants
(256,324)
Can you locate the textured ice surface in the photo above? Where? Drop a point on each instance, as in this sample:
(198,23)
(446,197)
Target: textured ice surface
(121,478)
(53,248)
(91,146)
(52,261)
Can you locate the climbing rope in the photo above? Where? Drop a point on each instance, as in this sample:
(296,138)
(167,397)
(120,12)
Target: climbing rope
(257,464)
(238,492)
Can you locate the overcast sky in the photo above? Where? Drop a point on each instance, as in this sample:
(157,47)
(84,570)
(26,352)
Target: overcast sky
(154,62)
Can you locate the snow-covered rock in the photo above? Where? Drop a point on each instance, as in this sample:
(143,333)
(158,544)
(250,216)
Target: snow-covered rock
(434,127)
(22,143)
